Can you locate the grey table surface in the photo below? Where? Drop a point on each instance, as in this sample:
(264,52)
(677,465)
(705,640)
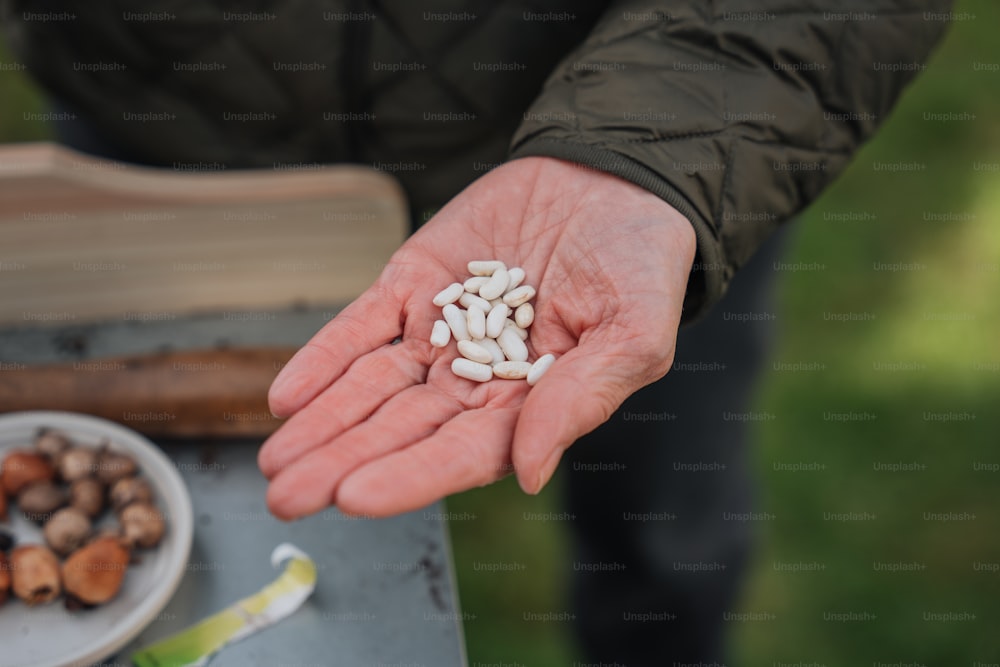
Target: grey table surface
(386,593)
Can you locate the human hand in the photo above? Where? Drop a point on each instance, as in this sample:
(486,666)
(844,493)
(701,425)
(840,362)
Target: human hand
(379,428)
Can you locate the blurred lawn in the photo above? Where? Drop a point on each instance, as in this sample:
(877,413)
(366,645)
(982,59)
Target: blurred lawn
(941,319)
(945,317)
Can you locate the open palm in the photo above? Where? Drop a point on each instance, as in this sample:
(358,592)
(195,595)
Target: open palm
(379,428)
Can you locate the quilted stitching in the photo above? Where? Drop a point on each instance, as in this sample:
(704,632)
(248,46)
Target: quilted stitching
(577,114)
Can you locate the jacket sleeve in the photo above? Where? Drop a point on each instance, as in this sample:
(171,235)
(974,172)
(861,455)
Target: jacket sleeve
(737,117)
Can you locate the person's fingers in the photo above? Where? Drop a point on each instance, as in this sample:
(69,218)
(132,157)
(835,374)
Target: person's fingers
(576,395)
(309,484)
(472,449)
(372,320)
(368,383)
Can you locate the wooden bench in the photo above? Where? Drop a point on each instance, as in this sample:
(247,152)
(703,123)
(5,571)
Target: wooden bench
(85,238)
(90,247)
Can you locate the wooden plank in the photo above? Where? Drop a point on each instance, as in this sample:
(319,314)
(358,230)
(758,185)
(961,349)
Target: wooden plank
(83,239)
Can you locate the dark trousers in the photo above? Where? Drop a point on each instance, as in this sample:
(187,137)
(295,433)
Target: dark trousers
(658,494)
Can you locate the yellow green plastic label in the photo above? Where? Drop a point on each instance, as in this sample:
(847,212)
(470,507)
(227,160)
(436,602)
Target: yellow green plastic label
(196,645)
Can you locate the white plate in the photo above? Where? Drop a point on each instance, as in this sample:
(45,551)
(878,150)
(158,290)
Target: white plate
(50,636)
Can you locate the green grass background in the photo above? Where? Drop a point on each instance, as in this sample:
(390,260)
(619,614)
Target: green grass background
(943,319)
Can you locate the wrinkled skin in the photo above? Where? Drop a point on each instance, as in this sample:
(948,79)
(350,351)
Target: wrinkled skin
(378,428)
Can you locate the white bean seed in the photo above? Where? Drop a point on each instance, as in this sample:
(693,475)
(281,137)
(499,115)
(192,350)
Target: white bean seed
(539,367)
(495,320)
(488,315)
(512,345)
(516,277)
(496,286)
(474,283)
(449,294)
(470,370)
(455,317)
(475,319)
(474,352)
(516,297)
(440,334)
(511,324)
(511,370)
(524,315)
(473,301)
(494,349)
(485,267)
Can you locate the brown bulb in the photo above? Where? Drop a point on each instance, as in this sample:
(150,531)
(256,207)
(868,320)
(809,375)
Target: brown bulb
(51,443)
(77,463)
(142,525)
(67,530)
(40,500)
(4,577)
(113,466)
(35,574)
(22,468)
(87,495)
(130,490)
(94,574)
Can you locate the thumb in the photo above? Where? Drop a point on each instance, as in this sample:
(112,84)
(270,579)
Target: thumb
(578,393)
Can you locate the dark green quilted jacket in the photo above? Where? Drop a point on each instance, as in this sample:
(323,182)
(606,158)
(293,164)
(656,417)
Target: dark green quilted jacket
(736,112)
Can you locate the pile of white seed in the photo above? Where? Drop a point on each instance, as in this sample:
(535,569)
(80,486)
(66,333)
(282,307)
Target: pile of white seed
(490,340)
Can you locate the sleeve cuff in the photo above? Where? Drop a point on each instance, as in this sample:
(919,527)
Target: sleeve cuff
(709,275)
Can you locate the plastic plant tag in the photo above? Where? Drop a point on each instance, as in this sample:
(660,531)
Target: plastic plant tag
(195,646)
